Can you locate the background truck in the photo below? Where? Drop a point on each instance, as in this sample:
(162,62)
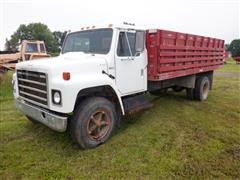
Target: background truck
(29,50)
(104,73)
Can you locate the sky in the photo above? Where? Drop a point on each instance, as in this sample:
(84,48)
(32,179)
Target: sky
(213,18)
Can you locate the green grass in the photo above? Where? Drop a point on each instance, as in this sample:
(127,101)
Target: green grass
(176,138)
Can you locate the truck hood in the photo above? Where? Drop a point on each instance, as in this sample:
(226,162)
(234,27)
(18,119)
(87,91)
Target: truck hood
(69,62)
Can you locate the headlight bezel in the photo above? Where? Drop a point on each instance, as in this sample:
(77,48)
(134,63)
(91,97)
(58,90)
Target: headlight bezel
(54,94)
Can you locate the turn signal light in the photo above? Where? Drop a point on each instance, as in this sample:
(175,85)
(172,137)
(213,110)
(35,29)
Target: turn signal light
(66,76)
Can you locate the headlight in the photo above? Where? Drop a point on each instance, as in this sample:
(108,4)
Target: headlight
(56,97)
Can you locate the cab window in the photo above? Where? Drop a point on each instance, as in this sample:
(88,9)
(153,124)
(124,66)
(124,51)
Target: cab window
(123,48)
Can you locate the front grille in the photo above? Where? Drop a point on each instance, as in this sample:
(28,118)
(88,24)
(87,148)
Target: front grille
(33,86)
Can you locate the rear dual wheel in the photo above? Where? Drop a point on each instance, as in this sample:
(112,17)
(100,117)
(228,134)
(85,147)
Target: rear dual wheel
(190,93)
(93,122)
(201,90)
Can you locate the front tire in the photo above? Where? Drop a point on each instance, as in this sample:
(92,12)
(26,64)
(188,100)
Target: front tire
(93,122)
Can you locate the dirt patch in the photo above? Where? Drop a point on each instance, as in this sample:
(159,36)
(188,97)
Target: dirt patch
(227,74)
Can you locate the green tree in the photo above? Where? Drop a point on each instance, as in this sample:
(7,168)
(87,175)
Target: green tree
(33,31)
(226,47)
(59,36)
(8,46)
(234,48)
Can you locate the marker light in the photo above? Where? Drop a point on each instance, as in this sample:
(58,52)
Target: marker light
(66,76)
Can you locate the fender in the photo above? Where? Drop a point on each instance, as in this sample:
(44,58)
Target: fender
(101,80)
(97,89)
(78,84)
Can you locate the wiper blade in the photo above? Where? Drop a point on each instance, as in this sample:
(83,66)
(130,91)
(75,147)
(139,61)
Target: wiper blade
(85,51)
(89,51)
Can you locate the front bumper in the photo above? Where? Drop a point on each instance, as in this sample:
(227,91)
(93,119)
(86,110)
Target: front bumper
(53,121)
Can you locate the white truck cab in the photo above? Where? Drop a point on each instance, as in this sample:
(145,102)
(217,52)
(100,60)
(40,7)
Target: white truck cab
(85,87)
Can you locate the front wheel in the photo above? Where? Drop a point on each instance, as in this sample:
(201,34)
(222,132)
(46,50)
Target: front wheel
(93,122)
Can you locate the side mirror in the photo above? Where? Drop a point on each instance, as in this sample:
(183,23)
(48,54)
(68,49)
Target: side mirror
(140,41)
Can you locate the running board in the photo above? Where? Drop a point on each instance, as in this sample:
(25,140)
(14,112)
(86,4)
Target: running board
(136,103)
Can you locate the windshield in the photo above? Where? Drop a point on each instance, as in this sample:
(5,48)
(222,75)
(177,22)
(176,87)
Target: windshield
(91,41)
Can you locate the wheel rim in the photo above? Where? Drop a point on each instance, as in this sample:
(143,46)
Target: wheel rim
(98,124)
(205,90)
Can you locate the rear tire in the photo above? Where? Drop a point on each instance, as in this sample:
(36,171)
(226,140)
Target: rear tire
(202,88)
(190,93)
(93,122)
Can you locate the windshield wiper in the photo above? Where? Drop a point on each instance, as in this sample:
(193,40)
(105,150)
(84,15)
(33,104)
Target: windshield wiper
(89,51)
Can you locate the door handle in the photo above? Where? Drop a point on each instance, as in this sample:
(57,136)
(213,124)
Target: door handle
(127,59)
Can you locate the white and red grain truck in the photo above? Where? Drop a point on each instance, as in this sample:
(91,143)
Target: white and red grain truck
(105,73)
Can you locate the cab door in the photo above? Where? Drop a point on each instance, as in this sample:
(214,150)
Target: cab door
(131,66)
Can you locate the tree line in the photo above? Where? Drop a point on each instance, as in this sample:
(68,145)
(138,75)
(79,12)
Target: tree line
(54,40)
(233,47)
